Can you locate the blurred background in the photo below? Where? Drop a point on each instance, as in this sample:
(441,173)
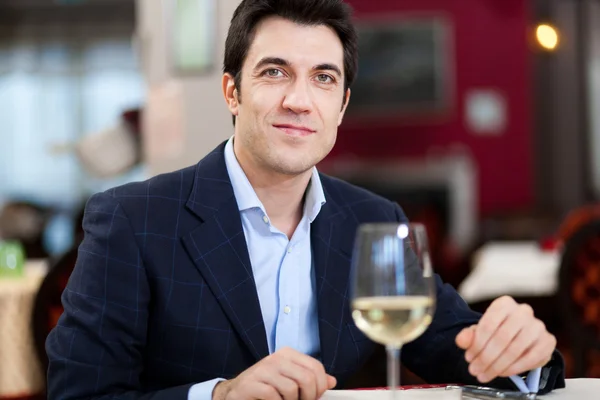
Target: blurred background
(481,118)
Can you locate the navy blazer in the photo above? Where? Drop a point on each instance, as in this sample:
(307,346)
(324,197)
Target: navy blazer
(162,295)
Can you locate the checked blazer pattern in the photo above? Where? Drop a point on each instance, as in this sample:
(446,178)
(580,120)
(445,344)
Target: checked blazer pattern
(163,296)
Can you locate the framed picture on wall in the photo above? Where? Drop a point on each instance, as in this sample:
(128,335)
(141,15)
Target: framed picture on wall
(405,68)
(192,31)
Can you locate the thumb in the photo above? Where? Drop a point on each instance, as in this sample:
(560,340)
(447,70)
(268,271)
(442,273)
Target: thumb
(465,338)
(331,382)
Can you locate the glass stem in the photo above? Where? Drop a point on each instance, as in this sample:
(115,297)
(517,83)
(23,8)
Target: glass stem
(393,369)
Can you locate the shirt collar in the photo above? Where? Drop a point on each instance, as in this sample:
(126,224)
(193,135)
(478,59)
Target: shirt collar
(246,196)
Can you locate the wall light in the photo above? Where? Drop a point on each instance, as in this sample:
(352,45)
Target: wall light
(547,36)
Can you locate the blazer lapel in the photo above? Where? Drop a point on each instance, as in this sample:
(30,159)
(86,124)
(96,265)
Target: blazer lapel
(219,251)
(331,246)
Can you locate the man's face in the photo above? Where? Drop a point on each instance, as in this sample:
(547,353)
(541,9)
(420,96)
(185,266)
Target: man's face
(292,97)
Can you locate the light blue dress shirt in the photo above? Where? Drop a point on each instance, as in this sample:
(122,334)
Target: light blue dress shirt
(533,381)
(282,268)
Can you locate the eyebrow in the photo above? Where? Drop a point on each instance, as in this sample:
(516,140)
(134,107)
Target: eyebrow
(328,67)
(271,60)
(284,63)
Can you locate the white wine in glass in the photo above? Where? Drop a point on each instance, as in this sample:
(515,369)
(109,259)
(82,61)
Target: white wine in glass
(393,320)
(392,287)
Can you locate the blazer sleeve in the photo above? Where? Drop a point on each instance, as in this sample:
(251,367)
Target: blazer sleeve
(436,358)
(96,350)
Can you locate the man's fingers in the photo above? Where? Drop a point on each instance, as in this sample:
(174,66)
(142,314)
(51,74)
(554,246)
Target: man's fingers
(255,390)
(315,367)
(267,392)
(491,320)
(525,339)
(287,388)
(291,374)
(331,382)
(465,337)
(304,379)
(517,327)
(535,357)
(270,374)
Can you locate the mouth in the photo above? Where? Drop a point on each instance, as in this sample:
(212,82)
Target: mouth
(295,130)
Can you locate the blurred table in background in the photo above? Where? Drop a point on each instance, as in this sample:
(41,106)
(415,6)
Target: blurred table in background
(517,269)
(524,271)
(21,373)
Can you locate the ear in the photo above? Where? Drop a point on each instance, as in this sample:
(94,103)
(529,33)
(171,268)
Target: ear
(230,93)
(344,107)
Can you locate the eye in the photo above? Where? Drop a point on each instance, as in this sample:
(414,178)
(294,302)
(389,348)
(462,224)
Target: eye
(273,73)
(324,78)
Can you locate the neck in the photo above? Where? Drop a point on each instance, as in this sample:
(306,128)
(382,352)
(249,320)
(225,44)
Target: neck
(282,195)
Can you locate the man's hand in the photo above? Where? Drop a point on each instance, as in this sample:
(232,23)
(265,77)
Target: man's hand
(508,340)
(286,374)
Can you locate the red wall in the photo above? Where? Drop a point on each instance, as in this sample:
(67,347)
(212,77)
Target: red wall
(490,50)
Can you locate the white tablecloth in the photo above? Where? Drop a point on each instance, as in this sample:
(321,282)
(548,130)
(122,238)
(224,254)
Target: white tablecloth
(20,370)
(514,269)
(577,389)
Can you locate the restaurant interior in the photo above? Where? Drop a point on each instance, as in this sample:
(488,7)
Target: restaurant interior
(481,118)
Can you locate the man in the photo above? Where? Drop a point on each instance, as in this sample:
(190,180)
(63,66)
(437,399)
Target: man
(229,279)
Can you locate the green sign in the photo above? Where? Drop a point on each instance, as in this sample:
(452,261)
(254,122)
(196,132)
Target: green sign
(12,259)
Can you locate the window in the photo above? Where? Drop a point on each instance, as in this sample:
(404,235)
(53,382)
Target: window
(53,92)
(55,87)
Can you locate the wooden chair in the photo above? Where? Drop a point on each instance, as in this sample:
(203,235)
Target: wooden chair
(47,307)
(579,297)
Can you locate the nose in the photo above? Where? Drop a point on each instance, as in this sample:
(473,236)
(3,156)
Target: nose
(298,97)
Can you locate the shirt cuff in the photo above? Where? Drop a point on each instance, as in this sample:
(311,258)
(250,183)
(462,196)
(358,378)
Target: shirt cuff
(203,391)
(533,381)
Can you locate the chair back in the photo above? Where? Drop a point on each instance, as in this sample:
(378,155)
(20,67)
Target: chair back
(579,295)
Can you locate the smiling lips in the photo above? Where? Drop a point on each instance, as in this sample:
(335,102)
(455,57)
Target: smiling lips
(295,130)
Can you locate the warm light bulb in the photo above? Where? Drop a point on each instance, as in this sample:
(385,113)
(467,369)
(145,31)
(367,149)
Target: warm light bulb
(547,36)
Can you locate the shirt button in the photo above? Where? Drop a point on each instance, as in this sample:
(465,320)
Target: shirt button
(266,219)
(287,310)
(289,250)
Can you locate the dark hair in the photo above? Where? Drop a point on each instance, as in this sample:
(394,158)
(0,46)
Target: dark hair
(332,13)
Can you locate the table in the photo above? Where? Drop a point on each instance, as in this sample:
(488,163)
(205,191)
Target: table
(576,389)
(517,269)
(20,370)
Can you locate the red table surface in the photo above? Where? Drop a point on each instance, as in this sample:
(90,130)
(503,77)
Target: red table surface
(407,387)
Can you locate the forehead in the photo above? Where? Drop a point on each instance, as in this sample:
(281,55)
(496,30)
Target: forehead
(301,45)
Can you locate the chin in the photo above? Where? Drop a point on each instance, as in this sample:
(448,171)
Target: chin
(296,167)
(296,161)
(294,170)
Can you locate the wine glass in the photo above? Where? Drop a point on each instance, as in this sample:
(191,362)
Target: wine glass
(392,287)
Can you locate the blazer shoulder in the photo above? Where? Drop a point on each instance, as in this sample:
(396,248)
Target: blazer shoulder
(358,199)
(174,186)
